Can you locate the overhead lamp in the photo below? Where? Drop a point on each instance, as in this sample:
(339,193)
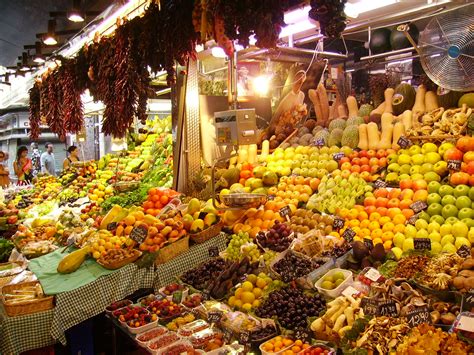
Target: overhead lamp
(218,52)
(261,85)
(39,57)
(297,21)
(24,62)
(50,38)
(76,14)
(353,10)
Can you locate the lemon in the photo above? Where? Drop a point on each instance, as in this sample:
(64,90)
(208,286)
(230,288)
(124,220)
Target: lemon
(232,300)
(238,292)
(238,304)
(247,307)
(248,297)
(247,286)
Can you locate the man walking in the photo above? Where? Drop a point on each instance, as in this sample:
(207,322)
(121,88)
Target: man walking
(48,163)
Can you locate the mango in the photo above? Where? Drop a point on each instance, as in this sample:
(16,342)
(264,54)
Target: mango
(194,206)
(197,226)
(188,221)
(210,219)
(270,178)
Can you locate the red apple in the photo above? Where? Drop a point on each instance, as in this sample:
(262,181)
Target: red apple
(459,178)
(468,157)
(452,154)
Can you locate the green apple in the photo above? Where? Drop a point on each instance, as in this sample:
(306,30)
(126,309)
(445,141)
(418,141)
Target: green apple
(397,252)
(468,221)
(445,229)
(433,227)
(444,147)
(408,244)
(415,169)
(460,229)
(460,241)
(435,236)
(392,158)
(465,213)
(398,239)
(461,190)
(433,187)
(451,220)
(392,178)
(393,167)
(433,198)
(431,176)
(417,159)
(447,239)
(428,147)
(434,209)
(331,165)
(403,177)
(410,231)
(470,235)
(436,248)
(422,233)
(446,190)
(471,193)
(448,200)
(463,202)
(421,224)
(438,219)
(424,216)
(432,158)
(440,167)
(405,169)
(404,159)
(417,176)
(414,149)
(426,168)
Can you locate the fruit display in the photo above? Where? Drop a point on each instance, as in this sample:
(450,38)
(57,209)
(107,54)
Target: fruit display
(168,290)
(163,341)
(192,301)
(164,308)
(291,267)
(200,276)
(284,345)
(180,321)
(278,238)
(368,163)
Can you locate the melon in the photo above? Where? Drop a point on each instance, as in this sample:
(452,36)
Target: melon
(337,123)
(365,110)
(350,137)
(335,137)
(448,98)
(398,40)
(380,40)
(403,98)
(467,99)
(355,121)
(321,134)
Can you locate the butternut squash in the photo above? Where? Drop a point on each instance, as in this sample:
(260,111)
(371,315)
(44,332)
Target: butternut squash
(431,101)
(398,131)
(352,106)
(363,139)
(388,95)
(419,107)
(313,96)
(323,100)
(379,110)
(341,111)
(406,119)
(373,135)
(386,120)
(386,137)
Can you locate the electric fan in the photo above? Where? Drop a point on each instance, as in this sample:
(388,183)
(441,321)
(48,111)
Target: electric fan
(446,49)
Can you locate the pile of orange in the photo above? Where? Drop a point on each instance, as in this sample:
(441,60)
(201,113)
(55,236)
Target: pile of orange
(157,199)
(289,346)
(246,172)
(294,189)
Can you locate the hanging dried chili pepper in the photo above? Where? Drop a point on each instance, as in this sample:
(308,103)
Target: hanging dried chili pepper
(72,107)
(35,118)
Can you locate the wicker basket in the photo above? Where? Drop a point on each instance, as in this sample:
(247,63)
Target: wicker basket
(33,306)
(171,251)
(206,234)
(118,264)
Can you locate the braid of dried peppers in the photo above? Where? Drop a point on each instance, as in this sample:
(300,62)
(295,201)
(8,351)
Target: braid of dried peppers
(35,118)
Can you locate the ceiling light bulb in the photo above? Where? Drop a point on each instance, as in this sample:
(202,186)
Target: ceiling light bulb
(50,39)
(76,15)
(218,52)
(38,58)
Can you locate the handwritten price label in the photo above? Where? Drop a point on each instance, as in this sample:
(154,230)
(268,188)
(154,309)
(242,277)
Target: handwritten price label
(419,316)
(422,243)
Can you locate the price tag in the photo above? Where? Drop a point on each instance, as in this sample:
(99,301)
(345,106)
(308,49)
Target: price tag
(338,156)
(112,226)
(159,297)
(419,206)
(213,252)
(454,165)
(177,297)
(380,184)
(412,220)
(349,235)
(387,308)
(271,197)
(338,223)
(227,335)
(350,291)
(464,251)
(369,305)
(302,334)
(419,316)
(369,243)
(466,323)
(372,274)
(404,142)
(244,337)
(319,142)
(139,233)
(214,316)
(422,243)
(468,300)
(285,211)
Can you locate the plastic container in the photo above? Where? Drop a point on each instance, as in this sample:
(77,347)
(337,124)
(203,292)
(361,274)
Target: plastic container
(193,327)
(370,275)
(261,348)
(117,305)
(184,291)
(177,348)
(148,336)
(201,338)
(143,328)
(159,344)
(331,351)
(336,291)
(145,301)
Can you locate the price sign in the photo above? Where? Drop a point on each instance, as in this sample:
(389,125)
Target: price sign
(349,235)
(214,316)
(380,184)
(302,334)
(468,301)
(404,142)
(464,251)
(338,223)
(213,252)
(319,142)
(372,274)
(412,220)
(369,305)
(285,211)
(422,243)
(466,323)
(454,165)
(387,308)
(244,337)
(338,156)
(177,297)
(369,243)
(419,316)
(227,335)
(112,226)
(139,233)
(350,291)
(419,206)
(271,197)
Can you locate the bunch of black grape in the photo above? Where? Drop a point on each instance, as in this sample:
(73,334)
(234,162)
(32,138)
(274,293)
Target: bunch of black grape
(200,276)
(292,307)
(291,267)
(278,238)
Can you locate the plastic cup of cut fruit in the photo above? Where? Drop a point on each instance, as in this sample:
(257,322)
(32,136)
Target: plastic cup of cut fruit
(276,345)
(143,339)
(323,282)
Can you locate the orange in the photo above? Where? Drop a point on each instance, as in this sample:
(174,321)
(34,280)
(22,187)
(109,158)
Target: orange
(353,223)
(152,231)
(129,220)
(399,219)
(408,212)
(388,227)
(375,216)
(343,212)
(364,224)
(392,212)
(119,231)
(298,342)
(406,184)
(384,220)
(363,216)
(370,209)
(270,205)
(394,193)
(151,212)
(394,202)
(155,198)
(387,245)
(382,211)
(374,225)
(359,207)
(272,190)
(128,230)
(387,236)
(153,191)
(405,204)
(268,214)
(399,228)
(420,195)
(158,205)
(353,213)
(253,232)
(356,229)
(377,241)
(381,202)
(369,201)
(164,200)
(365,231)
(256,223)
(147,205)
(376,233)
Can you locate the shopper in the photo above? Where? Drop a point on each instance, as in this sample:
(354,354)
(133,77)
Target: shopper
(23,166)
(35,158)
(73,156)
(4,173)
(48,163)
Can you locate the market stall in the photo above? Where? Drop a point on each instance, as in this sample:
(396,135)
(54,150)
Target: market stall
(292,209)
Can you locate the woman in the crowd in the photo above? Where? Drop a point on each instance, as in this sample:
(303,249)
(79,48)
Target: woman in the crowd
(72,156)
(23,166)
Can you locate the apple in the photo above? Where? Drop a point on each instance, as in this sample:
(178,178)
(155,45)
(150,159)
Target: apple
(431,176)
(440,167)
(460,229)
(453,154)
(434,209)
(393,167)
(433,187)
(444,147)
(446,190)
(470,235)
(445,229)
(468,221)
(421,224)
(461,190)
(415,169)
(426,168)
(417,159)
(468,168)
(410,231)
(404,159)
(433,227)
(451,220)
(447,239)
(422,233)
(449,211)
(463,202)
(433,198)
(432,158)
(417,176)
(414,149)
(448,200)
(398,239)
(424,216)
(460,241)
(428,147)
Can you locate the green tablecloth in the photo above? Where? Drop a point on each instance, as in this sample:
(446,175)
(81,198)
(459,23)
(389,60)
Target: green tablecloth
(53,283)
